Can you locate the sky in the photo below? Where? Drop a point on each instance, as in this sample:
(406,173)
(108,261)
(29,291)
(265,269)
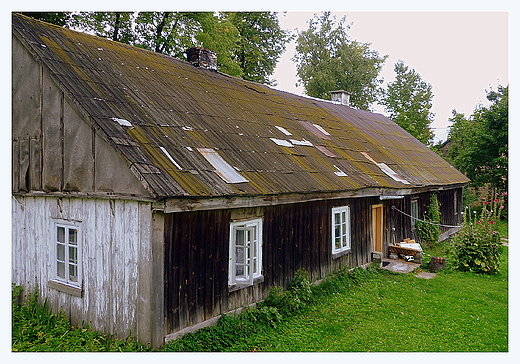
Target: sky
(460,53)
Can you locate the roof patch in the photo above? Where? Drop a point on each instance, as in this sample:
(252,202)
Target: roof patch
(320,128)
(325,151)
(315,129)
(222,168)
(339,173)
(301,142)
(283,143)
(170,158)
(122,122)
(390,172)
(386,170)
(283,130)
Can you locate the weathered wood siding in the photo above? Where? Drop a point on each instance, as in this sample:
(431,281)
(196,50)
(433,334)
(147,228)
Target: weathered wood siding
(295,236)
(399,226)
(116,258)
(55,145)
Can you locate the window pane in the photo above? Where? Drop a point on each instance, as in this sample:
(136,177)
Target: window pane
(240,238)
(61,269)
(338,243)
(73,234)
(60,252)
(239,270)
(61,234)
(73,272)
(239,255)
(337,220)
(73,254)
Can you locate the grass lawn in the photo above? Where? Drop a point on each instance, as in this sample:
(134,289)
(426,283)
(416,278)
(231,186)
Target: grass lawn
(369,310)
(453,312)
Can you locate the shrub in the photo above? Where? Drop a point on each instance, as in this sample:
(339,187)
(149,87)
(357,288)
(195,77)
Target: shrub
(477,245)
(429,229)
(292,300)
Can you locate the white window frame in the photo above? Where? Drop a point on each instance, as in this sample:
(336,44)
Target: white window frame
(414,212)
(343,234)
(69,256)
(246,269)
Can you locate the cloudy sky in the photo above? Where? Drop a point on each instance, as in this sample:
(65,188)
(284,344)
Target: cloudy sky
(460,53)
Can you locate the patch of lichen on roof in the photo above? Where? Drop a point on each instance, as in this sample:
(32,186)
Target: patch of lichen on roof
(277,141)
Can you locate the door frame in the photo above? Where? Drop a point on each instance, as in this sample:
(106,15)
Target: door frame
(377,228)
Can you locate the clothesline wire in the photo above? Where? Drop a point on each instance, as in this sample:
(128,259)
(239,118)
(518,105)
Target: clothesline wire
(427,222)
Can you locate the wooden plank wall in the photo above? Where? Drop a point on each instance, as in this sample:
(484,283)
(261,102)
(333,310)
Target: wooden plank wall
(196,265)
(451,207)
(295,236)
(115,247)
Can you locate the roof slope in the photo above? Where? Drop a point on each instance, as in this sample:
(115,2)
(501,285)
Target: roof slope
(187,131)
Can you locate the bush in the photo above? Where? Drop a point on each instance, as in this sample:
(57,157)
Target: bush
(429,229)
(292,300)
(477,245)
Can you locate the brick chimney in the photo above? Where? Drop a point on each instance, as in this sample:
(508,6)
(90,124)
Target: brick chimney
(202,58)
(341,96)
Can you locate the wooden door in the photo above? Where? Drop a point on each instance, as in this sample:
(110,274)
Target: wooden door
(377,228)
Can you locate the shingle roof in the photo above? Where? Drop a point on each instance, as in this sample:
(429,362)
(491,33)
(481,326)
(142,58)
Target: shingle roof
(187,131)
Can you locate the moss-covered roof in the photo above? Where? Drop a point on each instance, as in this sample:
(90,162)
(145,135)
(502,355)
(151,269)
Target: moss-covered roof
(187,131)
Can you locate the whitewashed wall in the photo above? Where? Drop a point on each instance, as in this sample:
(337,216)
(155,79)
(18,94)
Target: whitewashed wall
(116,259)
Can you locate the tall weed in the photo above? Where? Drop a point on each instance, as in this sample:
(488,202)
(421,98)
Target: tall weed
(36,329)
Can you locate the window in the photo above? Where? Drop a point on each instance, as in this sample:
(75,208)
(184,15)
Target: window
(245,252)
(67,263)
(340,229)
(415,212)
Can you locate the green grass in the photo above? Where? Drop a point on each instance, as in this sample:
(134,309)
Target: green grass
(453,312)
(36,329)
(369,310)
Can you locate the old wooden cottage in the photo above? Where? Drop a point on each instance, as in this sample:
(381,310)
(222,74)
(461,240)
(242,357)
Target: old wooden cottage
(151,193)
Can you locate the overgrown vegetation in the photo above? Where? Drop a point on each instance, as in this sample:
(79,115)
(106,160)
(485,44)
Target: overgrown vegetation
(454,311)
(35,328)
(429,229)
(477,245)
(350,311)
(279,305)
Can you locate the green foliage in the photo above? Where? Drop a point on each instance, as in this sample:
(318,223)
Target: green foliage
(453,312)
(327,60)
(292,300)
(248,44)
(478,245)
(409,101)
(57,18)
(261,43)
(480,142)
(35,328)
(429,229)
(279,305)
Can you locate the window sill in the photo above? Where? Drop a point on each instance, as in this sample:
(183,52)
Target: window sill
(67,288)
(239,286)
(341,253)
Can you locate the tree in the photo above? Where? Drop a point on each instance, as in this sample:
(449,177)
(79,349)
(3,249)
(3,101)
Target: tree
(408,100)
(480,143)
(327,60)
(58,18)
(112,25)
(261,43)
(248,45)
